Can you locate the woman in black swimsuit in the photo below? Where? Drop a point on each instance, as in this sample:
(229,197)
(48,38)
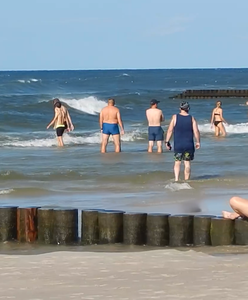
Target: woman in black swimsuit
(217,120)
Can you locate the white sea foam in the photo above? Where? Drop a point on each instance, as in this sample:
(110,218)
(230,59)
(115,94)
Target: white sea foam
(28,80)
(231,128)
(70,140)
(90,105)
(173,186)
(6,191)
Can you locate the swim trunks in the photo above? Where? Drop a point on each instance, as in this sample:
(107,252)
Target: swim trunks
(216,123)
(60,130)
(187,156)
(110,129)
(155,133)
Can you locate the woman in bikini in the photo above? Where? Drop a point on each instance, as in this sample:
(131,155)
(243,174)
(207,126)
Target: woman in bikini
(61,121)
(217,120)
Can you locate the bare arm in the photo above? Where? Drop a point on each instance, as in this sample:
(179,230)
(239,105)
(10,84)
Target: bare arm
(162,117)
(170,129)
(212,118)
(120,121)
(196,132)
(54,119)
(100,120)
(69,120)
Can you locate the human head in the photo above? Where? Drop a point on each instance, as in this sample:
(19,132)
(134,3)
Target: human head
(154,102)
(56,103)
(111,101)
(185,106)
(246,102)
(218,103)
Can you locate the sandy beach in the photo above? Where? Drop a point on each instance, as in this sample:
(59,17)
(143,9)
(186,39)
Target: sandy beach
(155,274)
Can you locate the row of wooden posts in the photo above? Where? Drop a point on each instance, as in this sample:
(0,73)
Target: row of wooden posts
(60,226)
(202,94)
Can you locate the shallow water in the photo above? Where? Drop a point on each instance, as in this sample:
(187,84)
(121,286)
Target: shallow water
(34,171)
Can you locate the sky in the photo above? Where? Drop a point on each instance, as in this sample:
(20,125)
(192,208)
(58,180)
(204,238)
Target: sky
(123,34)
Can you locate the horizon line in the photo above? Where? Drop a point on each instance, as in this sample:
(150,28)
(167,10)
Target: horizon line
(120,69)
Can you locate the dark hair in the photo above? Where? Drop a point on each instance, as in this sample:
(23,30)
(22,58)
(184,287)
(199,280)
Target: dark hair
(57,104)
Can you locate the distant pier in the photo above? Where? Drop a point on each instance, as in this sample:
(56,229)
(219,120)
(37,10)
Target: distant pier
(204,94)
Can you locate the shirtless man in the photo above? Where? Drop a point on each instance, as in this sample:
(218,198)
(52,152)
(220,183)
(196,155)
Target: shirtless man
(61,121)
(155,131)
(109,120)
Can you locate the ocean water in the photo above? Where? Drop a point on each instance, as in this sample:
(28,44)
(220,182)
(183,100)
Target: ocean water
(35,172)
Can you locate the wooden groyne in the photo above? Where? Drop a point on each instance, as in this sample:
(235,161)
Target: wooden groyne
(60,226)
(204,94)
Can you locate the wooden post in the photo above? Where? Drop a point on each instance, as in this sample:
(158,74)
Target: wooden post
(8,223)
(110,226)
(202,230)
(65,229)
(27,227)
(222,231)
(89,227)
(181,230)
(134,228)
(157,229)
(45,225)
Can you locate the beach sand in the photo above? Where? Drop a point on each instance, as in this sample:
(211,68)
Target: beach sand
(155,274)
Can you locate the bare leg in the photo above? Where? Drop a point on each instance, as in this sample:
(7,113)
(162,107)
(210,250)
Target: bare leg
(240,206)
(60,141)
(177,169)
(105,138)
(117,142)
(159,146)
(187,170)
(217,131)
(150,146)
(222,129)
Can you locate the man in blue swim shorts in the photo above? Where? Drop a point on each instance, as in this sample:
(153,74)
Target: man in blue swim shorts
(155,131)
(110,120)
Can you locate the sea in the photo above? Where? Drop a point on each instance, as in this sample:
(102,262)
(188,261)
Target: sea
(35,172)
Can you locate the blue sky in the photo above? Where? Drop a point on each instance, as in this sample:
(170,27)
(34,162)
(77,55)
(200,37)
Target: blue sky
(123,34)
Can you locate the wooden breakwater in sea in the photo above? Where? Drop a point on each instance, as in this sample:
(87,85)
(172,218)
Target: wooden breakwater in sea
(60,226)
(204,94)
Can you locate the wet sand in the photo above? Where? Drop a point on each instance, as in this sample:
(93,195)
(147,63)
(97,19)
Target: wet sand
(109,273)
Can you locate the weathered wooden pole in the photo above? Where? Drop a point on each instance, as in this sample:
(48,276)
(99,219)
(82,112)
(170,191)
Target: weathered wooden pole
(201,235)
(8,223)
(181,230)
(110,226)
(134,228)
(157,229)
(241,231)
(222,231)
(27,224)
(89,227)
(65,230)
(45,225)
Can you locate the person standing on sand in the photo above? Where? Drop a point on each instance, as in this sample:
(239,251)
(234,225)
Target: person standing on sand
(185,128)
(154,117)
(217,120)
(61,121)
(109,120)
(240,207)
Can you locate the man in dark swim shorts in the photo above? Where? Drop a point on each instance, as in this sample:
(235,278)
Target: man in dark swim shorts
(155,132)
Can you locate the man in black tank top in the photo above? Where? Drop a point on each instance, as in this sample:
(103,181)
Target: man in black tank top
(185,128)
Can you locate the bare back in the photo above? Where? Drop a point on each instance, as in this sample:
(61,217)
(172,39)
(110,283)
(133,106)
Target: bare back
(154,116)
(110,115)
(60,116)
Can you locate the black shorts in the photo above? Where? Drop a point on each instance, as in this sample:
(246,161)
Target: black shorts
(60,131)
(187,156)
